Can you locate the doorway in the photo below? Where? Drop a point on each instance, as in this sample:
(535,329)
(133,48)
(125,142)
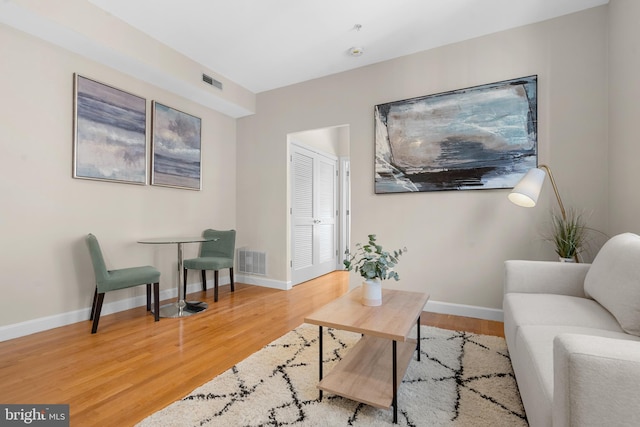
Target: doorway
(318,201)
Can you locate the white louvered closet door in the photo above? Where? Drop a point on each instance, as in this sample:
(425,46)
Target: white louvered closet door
(313,214)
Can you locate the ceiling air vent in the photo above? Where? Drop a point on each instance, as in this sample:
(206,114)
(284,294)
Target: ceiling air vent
(211,81)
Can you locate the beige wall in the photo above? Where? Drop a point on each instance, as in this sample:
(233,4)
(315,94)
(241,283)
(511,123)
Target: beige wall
(457,240)
(83,28)
(44,265)
(328,140)
(624,115)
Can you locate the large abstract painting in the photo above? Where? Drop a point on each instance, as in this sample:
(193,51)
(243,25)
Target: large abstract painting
(110,133)
(482,137)
(176,148)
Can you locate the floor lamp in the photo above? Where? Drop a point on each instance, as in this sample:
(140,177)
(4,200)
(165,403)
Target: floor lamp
(527,190)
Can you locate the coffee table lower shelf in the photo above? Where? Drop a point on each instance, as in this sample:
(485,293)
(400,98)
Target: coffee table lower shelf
(365,374)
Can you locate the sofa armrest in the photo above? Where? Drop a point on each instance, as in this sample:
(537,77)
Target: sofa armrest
(545,277)
(596,381)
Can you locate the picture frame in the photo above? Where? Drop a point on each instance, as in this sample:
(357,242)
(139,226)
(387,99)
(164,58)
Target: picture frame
(482,137)
(176,153)
(109,133)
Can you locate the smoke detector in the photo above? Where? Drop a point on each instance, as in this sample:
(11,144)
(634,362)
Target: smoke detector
(355,51)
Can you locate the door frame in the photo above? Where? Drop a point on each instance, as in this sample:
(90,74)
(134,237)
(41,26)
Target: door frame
(344,208)
(340,146)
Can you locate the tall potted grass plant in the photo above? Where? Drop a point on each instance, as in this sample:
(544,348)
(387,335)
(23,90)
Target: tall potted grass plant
(569,235)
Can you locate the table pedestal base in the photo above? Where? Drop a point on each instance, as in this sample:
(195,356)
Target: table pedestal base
(182,308)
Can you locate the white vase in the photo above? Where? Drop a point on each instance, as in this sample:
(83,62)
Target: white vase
(567,259)
(372,292)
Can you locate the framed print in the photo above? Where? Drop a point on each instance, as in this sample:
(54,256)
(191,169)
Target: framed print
(176,154)
(483,137)
(110,140)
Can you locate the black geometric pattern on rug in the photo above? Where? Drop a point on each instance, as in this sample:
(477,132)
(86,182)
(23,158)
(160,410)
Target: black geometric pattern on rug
(295,401)
(281,387)
(457,372)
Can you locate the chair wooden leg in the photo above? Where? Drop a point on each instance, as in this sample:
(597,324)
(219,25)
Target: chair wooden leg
(204,280)
(148,296)
(156,300)
(233,289)
(93,304)
(98,309)
(215,286)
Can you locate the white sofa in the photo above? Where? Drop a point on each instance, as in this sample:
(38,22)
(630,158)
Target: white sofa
(573,336)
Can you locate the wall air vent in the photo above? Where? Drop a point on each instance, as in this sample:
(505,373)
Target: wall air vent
(252,262)
(211,81)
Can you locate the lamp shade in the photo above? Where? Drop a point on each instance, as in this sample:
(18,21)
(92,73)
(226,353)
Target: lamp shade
(526,192)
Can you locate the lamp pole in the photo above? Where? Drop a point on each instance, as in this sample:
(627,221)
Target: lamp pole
(555,190)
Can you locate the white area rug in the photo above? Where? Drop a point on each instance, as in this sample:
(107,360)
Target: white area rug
(463,379)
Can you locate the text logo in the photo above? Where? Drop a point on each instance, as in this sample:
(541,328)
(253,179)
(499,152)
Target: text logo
(34,415)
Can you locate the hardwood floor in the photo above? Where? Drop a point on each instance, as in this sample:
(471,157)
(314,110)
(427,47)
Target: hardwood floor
(134,366)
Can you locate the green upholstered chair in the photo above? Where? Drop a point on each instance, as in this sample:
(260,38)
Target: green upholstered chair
(111,280)
(214,255)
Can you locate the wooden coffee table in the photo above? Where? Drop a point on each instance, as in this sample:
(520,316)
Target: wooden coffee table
(372,370)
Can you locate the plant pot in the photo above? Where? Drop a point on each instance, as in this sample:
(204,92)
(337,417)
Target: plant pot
(567,259)
(372,292)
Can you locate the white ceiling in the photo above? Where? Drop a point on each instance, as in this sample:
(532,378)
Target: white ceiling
(267,44)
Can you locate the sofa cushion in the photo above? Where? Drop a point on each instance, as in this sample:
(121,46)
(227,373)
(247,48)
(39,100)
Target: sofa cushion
(557,310)
(614,280)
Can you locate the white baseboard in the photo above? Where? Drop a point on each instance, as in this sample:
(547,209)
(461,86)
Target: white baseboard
(261,281)
(44,323)
(464,310)
(29,327)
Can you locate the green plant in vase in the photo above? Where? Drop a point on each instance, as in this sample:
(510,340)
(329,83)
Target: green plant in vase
(374,264)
